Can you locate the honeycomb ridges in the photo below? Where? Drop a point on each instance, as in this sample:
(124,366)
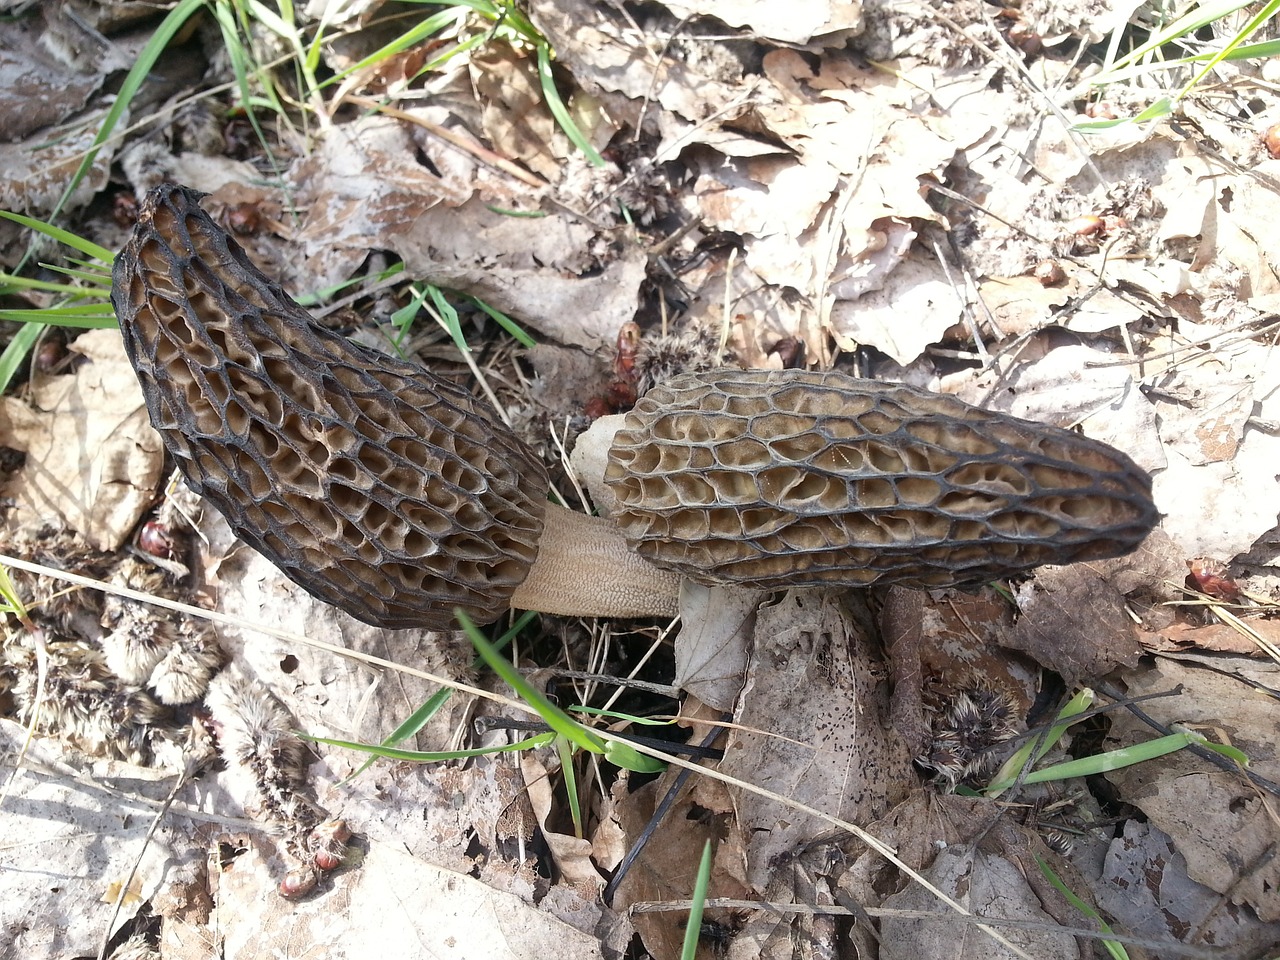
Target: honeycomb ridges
(806,478)
(371,483)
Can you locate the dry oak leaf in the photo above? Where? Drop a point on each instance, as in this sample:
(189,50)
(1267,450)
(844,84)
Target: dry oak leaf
(92,458)
(365,188)
(1224,825)
(800,21)
(816,688)
(1073,622)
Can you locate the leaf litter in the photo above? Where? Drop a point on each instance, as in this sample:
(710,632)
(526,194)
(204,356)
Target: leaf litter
(887,181)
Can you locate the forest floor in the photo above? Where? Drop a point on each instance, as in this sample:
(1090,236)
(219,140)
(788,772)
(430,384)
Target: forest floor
(953,196)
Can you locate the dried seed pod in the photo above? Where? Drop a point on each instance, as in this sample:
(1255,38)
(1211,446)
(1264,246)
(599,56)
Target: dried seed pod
(379,488)
(772,479)
(1271,140)
(1049,273)
(1088,225)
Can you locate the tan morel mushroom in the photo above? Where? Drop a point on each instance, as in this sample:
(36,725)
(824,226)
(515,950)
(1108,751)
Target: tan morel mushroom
(377,487)
(397,496)
(771,479)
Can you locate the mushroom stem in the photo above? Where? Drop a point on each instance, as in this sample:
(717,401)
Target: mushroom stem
(584,568)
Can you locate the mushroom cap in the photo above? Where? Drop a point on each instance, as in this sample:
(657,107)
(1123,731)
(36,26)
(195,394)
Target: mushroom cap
(375,486)
(776,479)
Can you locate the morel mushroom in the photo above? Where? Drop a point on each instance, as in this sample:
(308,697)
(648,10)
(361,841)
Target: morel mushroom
(771,479)
(377,487)
(397,496)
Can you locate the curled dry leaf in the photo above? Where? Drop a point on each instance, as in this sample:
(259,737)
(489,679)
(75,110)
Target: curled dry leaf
(101,484)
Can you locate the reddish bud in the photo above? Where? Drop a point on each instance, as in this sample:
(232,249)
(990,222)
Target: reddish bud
(51,352)
(1048,273)
(243,219)
(1212,583)
(154,539)
(1086,226)
(1271,140)
(299,882)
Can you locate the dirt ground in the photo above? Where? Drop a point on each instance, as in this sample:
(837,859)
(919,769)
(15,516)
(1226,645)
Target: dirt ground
(951,196)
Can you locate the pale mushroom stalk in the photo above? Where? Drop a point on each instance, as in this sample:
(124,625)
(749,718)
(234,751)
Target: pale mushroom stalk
(399,497)
(585,568)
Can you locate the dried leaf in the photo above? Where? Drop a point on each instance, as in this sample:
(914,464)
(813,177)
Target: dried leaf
(365,189)
(711,648)
(815,689)
(1144,887)
(407,906)
(36,173)
(92,458)
(1073,622)
(831,21)
(516,119)
(81,839)
(665,868)
(1223,825)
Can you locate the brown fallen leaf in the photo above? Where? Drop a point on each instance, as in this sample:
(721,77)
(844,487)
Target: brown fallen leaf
(816,690)
(1224,825)
(92,458)
(937,836)
(667,866)
(711,647)
(1074,623)
(515,116)
(367,188)
(1217,637)
(1145,889)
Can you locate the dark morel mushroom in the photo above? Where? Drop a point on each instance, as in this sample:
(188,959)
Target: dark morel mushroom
(397,496)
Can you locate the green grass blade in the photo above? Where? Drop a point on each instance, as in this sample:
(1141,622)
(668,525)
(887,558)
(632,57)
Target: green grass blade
(1201,15)
(422,716)
(693,927)
(16,352)
(565,750)
(629,758)
(447,316)
(1158,110)
(10,601)
(325,293)
(429,27)
(168,29)
(240,68)
(62,236)
(1009,770)
(73,316)
(1249,51)
(557,719)
(520,214)
(506,323)
(402,319)
(1250,28)
(10,283)
(627,717)
(1103,762)
(559,110)
(433,756)
(92,275)
(1116,950)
